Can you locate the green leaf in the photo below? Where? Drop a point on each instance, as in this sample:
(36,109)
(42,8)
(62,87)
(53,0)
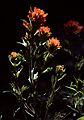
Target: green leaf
(29,113)
(19,71)
(47,55)
(23,88)
(81,118)
(62,77)
(24,43)
(82,81)
(18,92)
(80,64)
(71,88)
(48,69)
(72,108)
(78,102)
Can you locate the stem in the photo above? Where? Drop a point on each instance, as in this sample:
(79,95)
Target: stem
(20,98)
(46,113)
(21,105)
(49,102)
(30,63)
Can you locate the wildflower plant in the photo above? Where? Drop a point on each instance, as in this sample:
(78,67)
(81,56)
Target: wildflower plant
(39,47)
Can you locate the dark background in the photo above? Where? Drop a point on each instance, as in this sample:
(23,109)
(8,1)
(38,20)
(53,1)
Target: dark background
(59,11)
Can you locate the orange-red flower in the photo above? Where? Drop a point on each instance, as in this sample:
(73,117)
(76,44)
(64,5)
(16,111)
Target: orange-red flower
(44,30)
(54,42)
(37,14)
(13,54)
(73,27)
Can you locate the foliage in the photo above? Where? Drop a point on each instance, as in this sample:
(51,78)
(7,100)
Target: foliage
(81,118)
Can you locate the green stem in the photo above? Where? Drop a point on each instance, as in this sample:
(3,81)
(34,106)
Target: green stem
(46,113)
(49,102)
(23,110)
(20,99)
(30,65)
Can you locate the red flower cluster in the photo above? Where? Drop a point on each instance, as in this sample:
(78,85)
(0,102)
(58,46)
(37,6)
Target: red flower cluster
(73,27)
(37,14)
(54,42)
(44,30)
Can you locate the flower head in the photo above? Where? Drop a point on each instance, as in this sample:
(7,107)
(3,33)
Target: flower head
(37,14)
(73,27)
(13,54)
(44,30)
(60,67)
(54,42)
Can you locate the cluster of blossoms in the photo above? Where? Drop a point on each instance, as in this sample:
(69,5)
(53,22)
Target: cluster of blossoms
(37,14)
(41,31)
(60,68)
(73,27)
(44,30)
(40,15)
(36,33)
(13,54)
(54,42)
